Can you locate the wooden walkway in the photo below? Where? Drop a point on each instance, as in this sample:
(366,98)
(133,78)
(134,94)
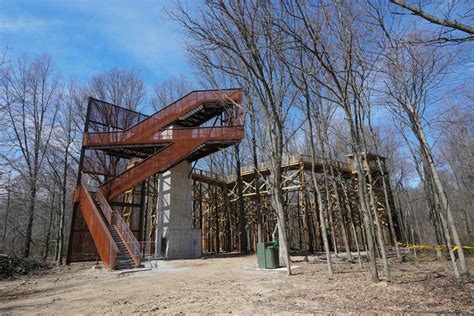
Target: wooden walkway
(290,162)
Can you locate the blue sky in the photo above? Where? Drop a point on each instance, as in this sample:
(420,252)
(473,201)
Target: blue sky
(88,36)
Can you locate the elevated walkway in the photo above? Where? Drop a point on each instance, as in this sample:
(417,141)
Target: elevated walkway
(289,162)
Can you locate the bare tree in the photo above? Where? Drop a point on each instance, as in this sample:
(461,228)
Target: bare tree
(31,95)
(169,90)
(244,33)
(62,158)
(123,87)
(315,121)
(457,149)
(446,21)
(335,43)
(413,73)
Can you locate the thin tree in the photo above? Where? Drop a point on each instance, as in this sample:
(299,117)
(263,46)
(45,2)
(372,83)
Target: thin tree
(244,33)
(31,97)
(169,90)
(123,87)
(61,158)
(334,42)
(413,74)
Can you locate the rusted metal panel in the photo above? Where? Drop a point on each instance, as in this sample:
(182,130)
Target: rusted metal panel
(150,130)
(103,240)
(184,143)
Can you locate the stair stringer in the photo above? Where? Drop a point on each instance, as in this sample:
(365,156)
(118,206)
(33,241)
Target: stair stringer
(156,163)
(103,240)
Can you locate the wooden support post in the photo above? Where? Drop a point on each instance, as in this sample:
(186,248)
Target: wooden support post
(217,231)
(304,210)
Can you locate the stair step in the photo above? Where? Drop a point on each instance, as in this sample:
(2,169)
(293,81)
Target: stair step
(125,266)
(123,260)
(123,256)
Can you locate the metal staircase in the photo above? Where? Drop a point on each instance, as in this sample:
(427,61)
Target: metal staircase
(162,141)
(123,260)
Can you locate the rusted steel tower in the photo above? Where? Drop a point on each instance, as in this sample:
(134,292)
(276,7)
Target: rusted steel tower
(121,150)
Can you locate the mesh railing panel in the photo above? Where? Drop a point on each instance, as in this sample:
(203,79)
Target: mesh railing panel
(130,241)
(109,117)
(148,130)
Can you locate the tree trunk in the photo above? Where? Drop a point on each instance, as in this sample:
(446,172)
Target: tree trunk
(389,208)
(322,221)
(5,222)
(331,224)
(441,195)
(377,223)
(63,207)
(258,206)
(242,224)
(277,198)
(276,147)
(308,243)
(342,222)
(48,232)
(362,186)
(29,219)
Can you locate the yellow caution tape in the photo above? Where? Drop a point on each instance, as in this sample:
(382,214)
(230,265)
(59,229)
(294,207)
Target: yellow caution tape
(435,247)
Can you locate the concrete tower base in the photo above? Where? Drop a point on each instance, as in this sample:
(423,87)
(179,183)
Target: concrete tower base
(176,239)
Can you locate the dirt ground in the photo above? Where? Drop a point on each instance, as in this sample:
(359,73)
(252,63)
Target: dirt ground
(234,285)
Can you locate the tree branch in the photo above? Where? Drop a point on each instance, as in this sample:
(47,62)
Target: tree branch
(433,19)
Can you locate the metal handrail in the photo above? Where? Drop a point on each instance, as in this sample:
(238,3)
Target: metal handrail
(159,136)
(188,140)
(130,241)
(104,207)
(154,123)
(181,105)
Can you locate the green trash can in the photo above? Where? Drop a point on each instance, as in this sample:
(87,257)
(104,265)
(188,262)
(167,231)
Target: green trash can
(268,256)
(272,257)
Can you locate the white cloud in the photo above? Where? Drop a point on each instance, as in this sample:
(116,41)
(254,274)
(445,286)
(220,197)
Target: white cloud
(23,24)
(139,28)
(86,36)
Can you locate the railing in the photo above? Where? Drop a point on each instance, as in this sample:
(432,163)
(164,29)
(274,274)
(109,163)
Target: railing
(319,160)
(374,165)
(103,240)
(185,104)
(208,174)
(165,136)
(148,129)
(104,207)
(287,160)
(158,162)
(130,241)
(185,141)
